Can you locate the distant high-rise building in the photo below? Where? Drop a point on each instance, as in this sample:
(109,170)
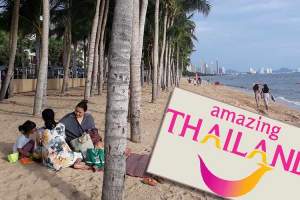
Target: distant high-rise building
(223,70)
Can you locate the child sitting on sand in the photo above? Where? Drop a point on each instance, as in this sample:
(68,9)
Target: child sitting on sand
(24,145)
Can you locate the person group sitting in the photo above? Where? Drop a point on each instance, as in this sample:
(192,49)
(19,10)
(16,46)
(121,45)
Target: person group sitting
(56,153)
(53,144)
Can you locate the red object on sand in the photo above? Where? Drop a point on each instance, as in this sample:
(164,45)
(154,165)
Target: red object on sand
(25,161)
(217,83)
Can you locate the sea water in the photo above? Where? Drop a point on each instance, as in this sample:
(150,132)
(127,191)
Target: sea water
(284,87)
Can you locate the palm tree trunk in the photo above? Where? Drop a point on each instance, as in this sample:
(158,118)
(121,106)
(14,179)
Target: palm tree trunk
(177,68)
(74,56)
(84,54)
(13,49)
(44,101)
(102,72)
(155,49)
(172,67)
(67,53)
(87,91)
(135,76)
(161,61)
(97,44)
(143,12)
(166,66)
(38,101)
(169,66)
(117,101)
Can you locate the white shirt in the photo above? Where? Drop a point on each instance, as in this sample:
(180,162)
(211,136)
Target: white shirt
(20,143)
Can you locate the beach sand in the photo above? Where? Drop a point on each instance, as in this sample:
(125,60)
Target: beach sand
(34,181)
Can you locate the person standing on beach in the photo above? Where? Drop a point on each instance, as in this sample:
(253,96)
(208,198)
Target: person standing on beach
(257,89)
(266,95)
(199,80)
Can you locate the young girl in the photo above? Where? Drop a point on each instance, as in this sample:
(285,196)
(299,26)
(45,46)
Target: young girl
(24,145)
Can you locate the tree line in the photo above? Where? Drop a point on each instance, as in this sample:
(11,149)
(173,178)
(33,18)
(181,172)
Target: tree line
(125,43)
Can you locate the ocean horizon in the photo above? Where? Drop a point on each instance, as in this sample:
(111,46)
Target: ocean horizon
(284,87)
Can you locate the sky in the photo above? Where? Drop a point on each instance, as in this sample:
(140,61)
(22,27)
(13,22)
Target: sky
(249,33)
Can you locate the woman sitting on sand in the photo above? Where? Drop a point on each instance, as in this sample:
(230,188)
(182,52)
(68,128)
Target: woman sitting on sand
(56,153)
(78,122)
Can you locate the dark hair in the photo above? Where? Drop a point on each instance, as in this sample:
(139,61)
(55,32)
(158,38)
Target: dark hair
(27,126)
(83,104)
(48,117)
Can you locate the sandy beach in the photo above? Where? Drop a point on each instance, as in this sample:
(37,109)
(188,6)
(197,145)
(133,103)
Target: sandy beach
(34,181)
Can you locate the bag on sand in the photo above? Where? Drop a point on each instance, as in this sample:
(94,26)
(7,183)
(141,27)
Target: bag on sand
(95,157)
(273,99)
(82,144)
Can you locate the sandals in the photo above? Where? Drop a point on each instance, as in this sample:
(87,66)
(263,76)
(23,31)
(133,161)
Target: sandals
(149,181)
(159,179)
(82,166)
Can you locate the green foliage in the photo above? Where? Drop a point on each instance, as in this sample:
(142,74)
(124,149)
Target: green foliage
(4,50)
(55,52)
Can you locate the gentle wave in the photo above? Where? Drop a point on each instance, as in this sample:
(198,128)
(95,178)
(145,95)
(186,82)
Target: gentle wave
(296,103)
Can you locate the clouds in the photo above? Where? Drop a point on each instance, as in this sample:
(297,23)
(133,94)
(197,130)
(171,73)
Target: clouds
(267,31)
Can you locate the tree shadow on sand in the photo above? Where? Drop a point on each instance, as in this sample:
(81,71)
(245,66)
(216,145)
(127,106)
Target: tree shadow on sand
(65,188)
(21,114)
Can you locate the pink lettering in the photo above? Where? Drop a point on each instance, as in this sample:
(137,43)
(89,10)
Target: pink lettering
(235,149)
(228,138)
(296,165)
(216,130)
(195,128)
(262,146)
(174,117)
(279,153)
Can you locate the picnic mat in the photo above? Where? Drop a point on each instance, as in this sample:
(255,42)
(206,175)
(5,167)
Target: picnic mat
(136,165)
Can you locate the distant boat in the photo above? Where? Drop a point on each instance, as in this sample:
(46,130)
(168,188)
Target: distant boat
(251,71)
(262,71)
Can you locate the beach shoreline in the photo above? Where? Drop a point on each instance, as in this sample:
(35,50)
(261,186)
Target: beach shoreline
(280,100)
(37,182)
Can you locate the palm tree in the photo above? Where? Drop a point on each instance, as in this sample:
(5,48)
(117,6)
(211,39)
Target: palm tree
(101,49)
(139,16)
(135,76)
(87,91)
(155,52)
(117,101)
(13,48)
(163,48)
(97,44)
(143,12)
(38,100)
(67,47)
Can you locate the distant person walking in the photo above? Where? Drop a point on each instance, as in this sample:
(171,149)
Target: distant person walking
(257,89)
(199,81)
(266,95)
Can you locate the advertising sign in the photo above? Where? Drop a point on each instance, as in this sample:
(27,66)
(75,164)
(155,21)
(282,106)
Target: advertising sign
(226,150)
